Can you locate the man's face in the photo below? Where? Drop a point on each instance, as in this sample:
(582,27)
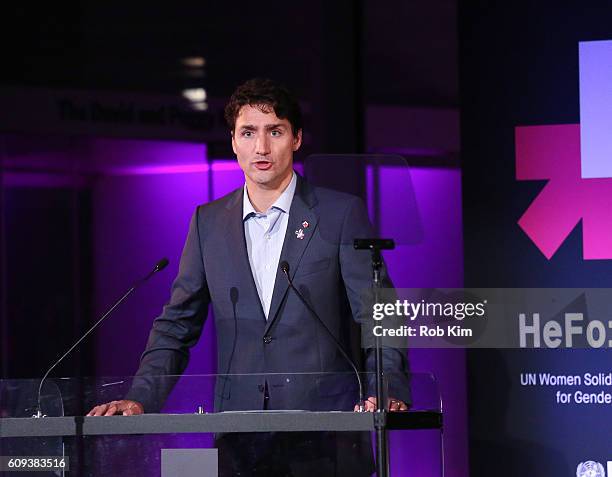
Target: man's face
(264,146)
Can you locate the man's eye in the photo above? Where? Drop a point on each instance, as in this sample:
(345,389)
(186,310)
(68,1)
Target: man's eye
(247,133)
(276,133)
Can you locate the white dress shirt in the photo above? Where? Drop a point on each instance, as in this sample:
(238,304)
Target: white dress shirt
(265,234)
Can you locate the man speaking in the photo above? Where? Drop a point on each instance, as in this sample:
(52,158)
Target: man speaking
(265,333)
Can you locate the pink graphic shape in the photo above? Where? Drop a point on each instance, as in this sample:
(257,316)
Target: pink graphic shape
(552,153)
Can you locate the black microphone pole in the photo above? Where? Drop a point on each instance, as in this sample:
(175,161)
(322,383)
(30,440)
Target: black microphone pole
(284,266)
(158,267)
(382,444)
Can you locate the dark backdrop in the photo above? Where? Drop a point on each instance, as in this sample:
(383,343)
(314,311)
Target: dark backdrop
(519,67)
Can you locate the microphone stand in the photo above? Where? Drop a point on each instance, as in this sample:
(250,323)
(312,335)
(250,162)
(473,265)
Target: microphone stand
(158,267)
(284,266)
(380,415)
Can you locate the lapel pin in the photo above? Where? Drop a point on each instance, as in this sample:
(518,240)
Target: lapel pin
(299,234)
(305,224)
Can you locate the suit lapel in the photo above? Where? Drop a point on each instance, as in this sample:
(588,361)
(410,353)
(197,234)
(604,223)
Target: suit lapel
(295,243)
(236,244)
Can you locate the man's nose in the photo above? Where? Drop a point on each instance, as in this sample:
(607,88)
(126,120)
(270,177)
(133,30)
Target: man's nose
(262,145)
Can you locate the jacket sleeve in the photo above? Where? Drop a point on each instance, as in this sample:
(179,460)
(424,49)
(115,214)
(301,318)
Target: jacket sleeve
(356,269)
(176,330)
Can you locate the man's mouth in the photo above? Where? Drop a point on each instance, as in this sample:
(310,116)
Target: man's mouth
(263,165)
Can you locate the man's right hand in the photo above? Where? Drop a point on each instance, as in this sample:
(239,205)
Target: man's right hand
(125,407)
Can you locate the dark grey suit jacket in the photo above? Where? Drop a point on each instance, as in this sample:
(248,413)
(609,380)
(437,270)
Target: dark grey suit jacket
(256,352)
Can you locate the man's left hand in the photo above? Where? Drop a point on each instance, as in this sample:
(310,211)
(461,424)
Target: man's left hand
(392,405)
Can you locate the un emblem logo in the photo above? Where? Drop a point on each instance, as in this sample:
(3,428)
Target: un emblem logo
(590,469)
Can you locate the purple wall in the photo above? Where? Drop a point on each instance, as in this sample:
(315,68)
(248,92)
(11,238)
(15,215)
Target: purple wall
(437,261)
(140,217)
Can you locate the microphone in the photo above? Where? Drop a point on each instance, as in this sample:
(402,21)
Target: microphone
(159,266)
(163,263)
(284,266)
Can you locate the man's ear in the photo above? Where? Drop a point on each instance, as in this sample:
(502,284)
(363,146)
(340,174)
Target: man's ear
(297,140)
(233,143)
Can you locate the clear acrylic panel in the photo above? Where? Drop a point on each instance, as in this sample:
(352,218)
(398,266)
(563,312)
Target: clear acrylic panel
(213,425)
(384,183)
(20,399)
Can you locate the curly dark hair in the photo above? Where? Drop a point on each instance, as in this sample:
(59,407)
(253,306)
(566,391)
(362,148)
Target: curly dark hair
(265,94)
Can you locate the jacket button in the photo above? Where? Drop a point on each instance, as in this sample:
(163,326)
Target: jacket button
(267,339)
(261,388)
